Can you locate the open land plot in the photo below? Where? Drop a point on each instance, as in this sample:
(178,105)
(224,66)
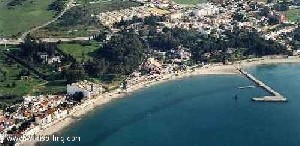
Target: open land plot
(52,87)
(189,2)
(78,51)
(14,21)
(265,1)
(78,21)
(11,83)
(293,15)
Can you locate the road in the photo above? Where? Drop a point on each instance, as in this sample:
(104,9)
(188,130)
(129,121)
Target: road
(69,6)
(21,39)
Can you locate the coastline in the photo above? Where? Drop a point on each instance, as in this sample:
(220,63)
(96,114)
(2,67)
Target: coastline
(91,104)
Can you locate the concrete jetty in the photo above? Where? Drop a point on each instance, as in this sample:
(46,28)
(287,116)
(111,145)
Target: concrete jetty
(244,87)
(276,97)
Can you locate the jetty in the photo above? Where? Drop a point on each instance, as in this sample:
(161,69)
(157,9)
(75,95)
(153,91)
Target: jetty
(244,87)
(276,97)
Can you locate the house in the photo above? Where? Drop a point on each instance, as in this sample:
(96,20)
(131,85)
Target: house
(296,52)
(89,89)
(44,57)
(54,59)
(175,15)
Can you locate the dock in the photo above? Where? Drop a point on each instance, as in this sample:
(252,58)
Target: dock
(244,87)
(276,97)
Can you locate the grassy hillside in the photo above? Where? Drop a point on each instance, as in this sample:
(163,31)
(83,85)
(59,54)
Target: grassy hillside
(189,2)
(20,18)
(78,22)
(78,51)
(293,15)
(10,81)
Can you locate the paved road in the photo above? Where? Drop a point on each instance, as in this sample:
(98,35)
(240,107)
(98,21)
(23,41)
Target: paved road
(21,39)
(69,6)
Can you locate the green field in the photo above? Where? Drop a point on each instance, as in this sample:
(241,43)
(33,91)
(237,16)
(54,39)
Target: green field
(53,87)
(293,15)
(189,2)
(9,75)
(11,84)
(78,22)
(31,86)
(78,51)
(21,18)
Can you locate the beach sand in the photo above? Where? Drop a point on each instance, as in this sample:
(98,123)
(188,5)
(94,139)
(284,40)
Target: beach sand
(107,97)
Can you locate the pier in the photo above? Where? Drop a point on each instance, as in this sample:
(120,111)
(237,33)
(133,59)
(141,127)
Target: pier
(244,87)
(276,97)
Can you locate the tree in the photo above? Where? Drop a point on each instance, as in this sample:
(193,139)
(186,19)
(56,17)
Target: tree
(13,84)
(57,5)
(14,3)
(75,73)
(24,72)
(122,54)
(78,96)
(95,68)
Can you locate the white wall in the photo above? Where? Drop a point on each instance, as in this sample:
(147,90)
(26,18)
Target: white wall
(71,89)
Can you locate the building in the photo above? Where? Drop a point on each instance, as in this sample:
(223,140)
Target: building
(175,15)
(296,52)
(89,89)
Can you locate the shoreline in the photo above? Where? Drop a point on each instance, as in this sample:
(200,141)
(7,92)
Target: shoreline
(89,105)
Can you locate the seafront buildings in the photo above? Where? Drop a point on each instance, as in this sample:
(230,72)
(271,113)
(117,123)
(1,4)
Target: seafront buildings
(89,89)
(38,112)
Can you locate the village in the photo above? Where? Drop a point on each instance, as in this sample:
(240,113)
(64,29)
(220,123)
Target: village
(41,111)
(210,18)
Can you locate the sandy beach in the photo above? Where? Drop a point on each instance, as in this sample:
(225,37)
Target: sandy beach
(91,104)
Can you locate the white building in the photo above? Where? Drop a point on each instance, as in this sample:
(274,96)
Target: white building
(89,89)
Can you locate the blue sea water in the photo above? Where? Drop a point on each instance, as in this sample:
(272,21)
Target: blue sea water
(198,111)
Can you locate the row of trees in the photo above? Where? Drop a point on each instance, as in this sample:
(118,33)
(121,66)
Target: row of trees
(8,100)
(127,49)
(121,55)
(35,56)
(200,44)
(14,3)
(149,20)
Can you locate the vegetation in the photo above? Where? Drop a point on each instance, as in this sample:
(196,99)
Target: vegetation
(44,59)
(281,6)
(14,78)
(189,2)
(51,87)
(9,100)
(243,41)
(293,15)
(14,3)
(57,5)
(296,38)
(78,96)
(18,19)
(15,81)
(122,55)
(75,73)
(78,21)
(80,51)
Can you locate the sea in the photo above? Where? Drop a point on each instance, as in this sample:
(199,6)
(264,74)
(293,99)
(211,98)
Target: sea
(205,110)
